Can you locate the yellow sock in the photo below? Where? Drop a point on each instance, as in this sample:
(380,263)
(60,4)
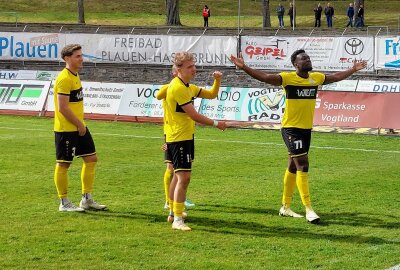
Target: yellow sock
(61,180)
(87,176)
(302,185)
(167,182)
(289,183)
(178,208)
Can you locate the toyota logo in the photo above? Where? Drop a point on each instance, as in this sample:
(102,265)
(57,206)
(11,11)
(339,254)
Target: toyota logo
(354,46)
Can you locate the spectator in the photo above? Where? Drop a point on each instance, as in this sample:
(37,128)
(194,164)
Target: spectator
(360,17)
(206,15)
(350,15)
(318,12)
(280,11)
(292,15)
(329,12)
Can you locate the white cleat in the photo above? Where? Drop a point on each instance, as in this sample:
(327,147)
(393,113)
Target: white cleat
(170,218)
(70,207)
(312,217)
(287,212)
(90,204)
(180,225)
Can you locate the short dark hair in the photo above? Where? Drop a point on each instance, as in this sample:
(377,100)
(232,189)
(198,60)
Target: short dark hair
(295,54)
(70,49)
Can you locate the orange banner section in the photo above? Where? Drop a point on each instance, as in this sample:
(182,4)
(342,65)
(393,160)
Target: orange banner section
(355,110)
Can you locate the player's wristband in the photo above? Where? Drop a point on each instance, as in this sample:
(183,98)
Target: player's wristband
(215,123)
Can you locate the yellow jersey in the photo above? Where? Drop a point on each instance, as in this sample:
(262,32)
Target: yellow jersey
(301,97)
(178,126)
(69,84)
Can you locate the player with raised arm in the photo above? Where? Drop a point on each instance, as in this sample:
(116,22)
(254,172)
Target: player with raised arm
(180,117)
(300,89)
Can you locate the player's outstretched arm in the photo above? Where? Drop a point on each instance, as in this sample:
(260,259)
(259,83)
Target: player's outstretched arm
(199,118)
(338,76)
(213,92)
(274,79)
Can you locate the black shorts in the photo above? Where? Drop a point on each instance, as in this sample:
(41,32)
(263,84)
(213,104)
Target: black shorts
(70,144)
(167,157)
(297,140)
(182,155)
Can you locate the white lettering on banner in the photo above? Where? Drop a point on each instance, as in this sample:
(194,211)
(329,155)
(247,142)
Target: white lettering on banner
(344,106)
(48,39)
(340,118)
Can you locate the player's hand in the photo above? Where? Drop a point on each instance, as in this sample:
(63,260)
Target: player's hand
(81,129)
(359,65)
(221,125)
(217,75)
(237,61)
(164,147)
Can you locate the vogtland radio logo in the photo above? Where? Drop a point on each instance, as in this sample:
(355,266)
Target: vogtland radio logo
(266,105)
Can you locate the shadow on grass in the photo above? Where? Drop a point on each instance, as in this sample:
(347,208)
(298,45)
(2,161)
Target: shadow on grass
(339,218)
(250,227)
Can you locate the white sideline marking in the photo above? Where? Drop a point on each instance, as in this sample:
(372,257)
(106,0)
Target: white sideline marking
(224,141)
(396,267)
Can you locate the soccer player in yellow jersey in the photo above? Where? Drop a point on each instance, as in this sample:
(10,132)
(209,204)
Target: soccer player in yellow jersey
(180,116)
(72,137)
(169,179)
(300,89)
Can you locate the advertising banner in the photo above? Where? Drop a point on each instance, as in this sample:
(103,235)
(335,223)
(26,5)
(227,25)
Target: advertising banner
(246,104)
(23,94)
(344,109)
(101,98)
(326,53)
(387,52)
(391,111)
(18,74)
(140,100)
(343,86)
(155,49)
(31,46)
(133,49)
(378,86)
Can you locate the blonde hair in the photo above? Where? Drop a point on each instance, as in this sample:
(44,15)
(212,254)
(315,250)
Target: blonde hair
(181,57)
(70,49)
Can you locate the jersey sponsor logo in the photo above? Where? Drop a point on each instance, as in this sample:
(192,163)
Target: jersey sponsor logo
(301,92)
(76,95)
